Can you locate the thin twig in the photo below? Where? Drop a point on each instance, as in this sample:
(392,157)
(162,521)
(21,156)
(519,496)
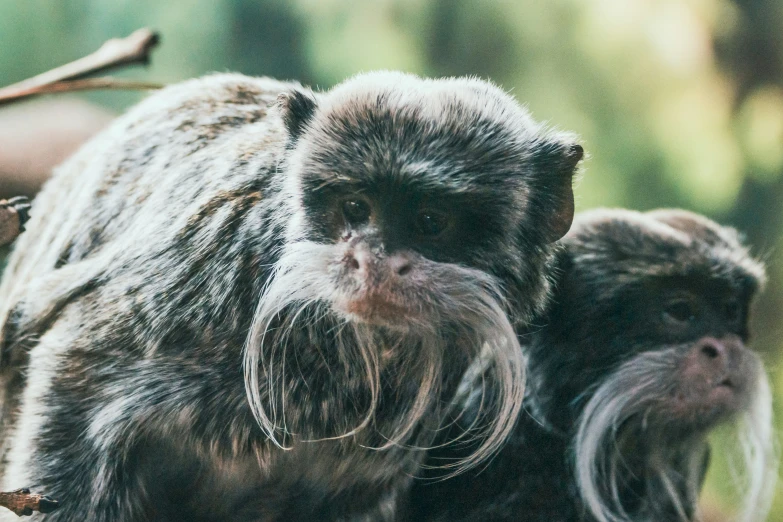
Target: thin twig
(88,84)
(24,503)
(113,53)
(117,52)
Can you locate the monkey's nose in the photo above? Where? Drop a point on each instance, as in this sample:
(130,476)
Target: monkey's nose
(358,259)
(717,359)
(400,264)
(712,350)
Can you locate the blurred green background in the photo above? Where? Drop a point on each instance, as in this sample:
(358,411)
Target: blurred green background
(679,103)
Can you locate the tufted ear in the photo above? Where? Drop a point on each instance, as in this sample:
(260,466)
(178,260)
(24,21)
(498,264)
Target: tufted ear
(297,108)
(559,160)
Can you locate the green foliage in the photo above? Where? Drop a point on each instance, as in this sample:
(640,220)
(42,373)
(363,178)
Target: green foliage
(679,103)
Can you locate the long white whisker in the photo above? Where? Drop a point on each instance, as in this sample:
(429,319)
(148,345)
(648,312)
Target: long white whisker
(630,392)
(301,295)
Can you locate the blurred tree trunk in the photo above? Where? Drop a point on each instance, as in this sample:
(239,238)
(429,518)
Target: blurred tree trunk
(752,56)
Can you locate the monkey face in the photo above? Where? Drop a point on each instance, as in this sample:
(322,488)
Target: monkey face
(671,292)
(694,350)
(417,184)
(672,349)
(678,374)
(419,219)
(643,353)
(715,379)
(396,255)
(404,262)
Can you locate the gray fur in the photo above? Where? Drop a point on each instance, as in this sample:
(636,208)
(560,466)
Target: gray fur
(187,240)
(621,395)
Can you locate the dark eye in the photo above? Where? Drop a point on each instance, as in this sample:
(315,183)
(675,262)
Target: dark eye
(680,311)
(430,223)
(356,211)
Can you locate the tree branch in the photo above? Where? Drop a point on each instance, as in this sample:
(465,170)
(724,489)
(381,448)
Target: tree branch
(89,84)
(23,503)
(13,212)
(117,52)
(133,49)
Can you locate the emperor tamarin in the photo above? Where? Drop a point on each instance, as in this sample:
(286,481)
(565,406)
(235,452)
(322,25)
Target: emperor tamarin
(639,356)
(250,301)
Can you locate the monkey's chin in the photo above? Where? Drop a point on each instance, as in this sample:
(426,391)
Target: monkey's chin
(705,412)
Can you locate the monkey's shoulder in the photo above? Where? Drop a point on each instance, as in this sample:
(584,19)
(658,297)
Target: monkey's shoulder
(186,123)
(174,159)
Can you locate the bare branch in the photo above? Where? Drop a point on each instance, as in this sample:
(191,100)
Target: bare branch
(117,52)
(113,53)
(23,503)
(89,84)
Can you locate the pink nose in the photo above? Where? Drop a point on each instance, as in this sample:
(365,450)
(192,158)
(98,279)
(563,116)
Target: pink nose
(716,359)
(723,353)
(400,264)
(712,351)
(361,259)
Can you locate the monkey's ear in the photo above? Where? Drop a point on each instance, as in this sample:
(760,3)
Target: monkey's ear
(560,162)
(297,108)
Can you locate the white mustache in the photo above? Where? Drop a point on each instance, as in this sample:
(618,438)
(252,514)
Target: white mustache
(630,392)
(462,309)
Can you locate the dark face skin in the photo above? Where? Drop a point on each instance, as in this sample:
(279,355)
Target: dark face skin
(394,234)
(714,377)
(386,239)
(702,323)
(433,223)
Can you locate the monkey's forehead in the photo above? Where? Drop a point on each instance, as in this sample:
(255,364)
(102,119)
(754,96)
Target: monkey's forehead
(464,131)
(663,243)
(433,99)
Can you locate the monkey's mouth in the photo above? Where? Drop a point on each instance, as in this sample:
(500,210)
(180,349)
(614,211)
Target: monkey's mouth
(725,386)
(728,393)
(702,407)
(376,309)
